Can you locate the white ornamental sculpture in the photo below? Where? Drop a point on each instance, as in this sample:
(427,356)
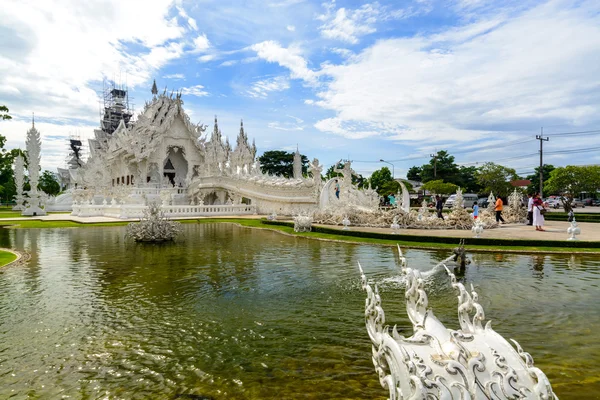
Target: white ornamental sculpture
(473,362)
(477,228)
(346,223)
(302,223)
(34,147)
(395,226)
(153,226)
(573,230)
(19,180)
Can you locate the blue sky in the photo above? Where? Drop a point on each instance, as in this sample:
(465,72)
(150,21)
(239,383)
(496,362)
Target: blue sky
(393,80)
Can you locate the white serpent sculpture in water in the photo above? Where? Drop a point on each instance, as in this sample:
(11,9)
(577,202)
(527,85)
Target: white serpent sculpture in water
(474,362)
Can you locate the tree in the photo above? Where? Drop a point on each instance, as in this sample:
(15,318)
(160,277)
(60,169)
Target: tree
(4,113)
(414,173)
(7,181)
(380,178)
(468,180)
(440,187)
(357,179)
(496,178)
(281,163)
(534,186)
(572,180)
(49,184)
(440,167)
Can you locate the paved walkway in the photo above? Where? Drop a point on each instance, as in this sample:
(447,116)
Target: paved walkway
(555,230)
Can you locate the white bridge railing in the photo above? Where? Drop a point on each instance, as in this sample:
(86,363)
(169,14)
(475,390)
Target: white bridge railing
(172,211)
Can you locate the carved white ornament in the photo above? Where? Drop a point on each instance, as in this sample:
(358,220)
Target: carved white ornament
(19,181)
(302,223)
(573,230)
(153,226)
(473,362)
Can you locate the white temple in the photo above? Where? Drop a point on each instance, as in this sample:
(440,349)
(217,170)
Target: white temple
(163,157)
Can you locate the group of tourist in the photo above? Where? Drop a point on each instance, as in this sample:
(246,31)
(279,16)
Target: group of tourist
(536,208)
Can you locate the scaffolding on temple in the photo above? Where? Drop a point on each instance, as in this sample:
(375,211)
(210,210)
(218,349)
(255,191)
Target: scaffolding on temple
(76,154)
(116,106)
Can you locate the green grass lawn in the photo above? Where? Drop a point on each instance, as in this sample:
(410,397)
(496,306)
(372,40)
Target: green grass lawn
(6,257)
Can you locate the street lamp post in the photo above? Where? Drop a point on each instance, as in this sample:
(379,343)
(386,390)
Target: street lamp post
(393,172)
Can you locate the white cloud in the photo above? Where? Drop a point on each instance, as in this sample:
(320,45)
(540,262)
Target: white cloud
(174,76)
(294,125)
(348,25)
(191,21)
(262,88)
(284,127)
(201,43)
(285,3)
(228,63)
(207,57)
(197,90)
(291,28)
(342,52)
(490,76)
(59,47)
(290,58)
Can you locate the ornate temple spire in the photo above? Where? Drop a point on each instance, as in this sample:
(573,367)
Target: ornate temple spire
(297,164)
(33,119)
(242,134)
(154,89)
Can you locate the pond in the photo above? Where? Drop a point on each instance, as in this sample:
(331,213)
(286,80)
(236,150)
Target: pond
(238,313)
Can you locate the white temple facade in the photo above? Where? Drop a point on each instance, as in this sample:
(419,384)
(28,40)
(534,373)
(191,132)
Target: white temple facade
(163,157)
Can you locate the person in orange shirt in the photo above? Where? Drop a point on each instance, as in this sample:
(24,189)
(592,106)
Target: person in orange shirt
(498,209)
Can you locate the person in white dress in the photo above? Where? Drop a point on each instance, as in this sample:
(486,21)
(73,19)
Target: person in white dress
(538,217)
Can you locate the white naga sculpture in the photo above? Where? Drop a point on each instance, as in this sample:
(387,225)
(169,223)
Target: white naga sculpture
(19,180)
(473,362)
(34,147)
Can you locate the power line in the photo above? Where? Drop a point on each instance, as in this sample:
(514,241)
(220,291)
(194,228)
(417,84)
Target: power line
(573,133)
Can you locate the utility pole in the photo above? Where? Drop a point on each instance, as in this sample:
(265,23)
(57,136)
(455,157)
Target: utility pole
(434,164)
(541,138)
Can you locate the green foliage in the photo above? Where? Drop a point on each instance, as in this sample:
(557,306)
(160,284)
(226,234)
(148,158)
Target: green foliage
(379,178)
(572,180)
(414,173)
(281,163)
(49,184)
(4,113)
(440,187)
(496,178)
(534,186)
(468,180)
(7,180)
(441,167)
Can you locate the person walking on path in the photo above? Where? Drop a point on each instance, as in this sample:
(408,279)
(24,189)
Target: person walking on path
(538,216)
(439,206)
(475,210)
(529,209)
(337,189)
(498,209)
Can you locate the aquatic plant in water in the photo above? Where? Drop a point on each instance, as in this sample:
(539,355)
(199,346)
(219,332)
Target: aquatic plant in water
(153,226)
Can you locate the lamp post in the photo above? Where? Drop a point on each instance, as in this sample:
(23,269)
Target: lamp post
(387,162)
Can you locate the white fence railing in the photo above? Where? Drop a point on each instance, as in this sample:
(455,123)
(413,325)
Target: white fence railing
(172,211)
